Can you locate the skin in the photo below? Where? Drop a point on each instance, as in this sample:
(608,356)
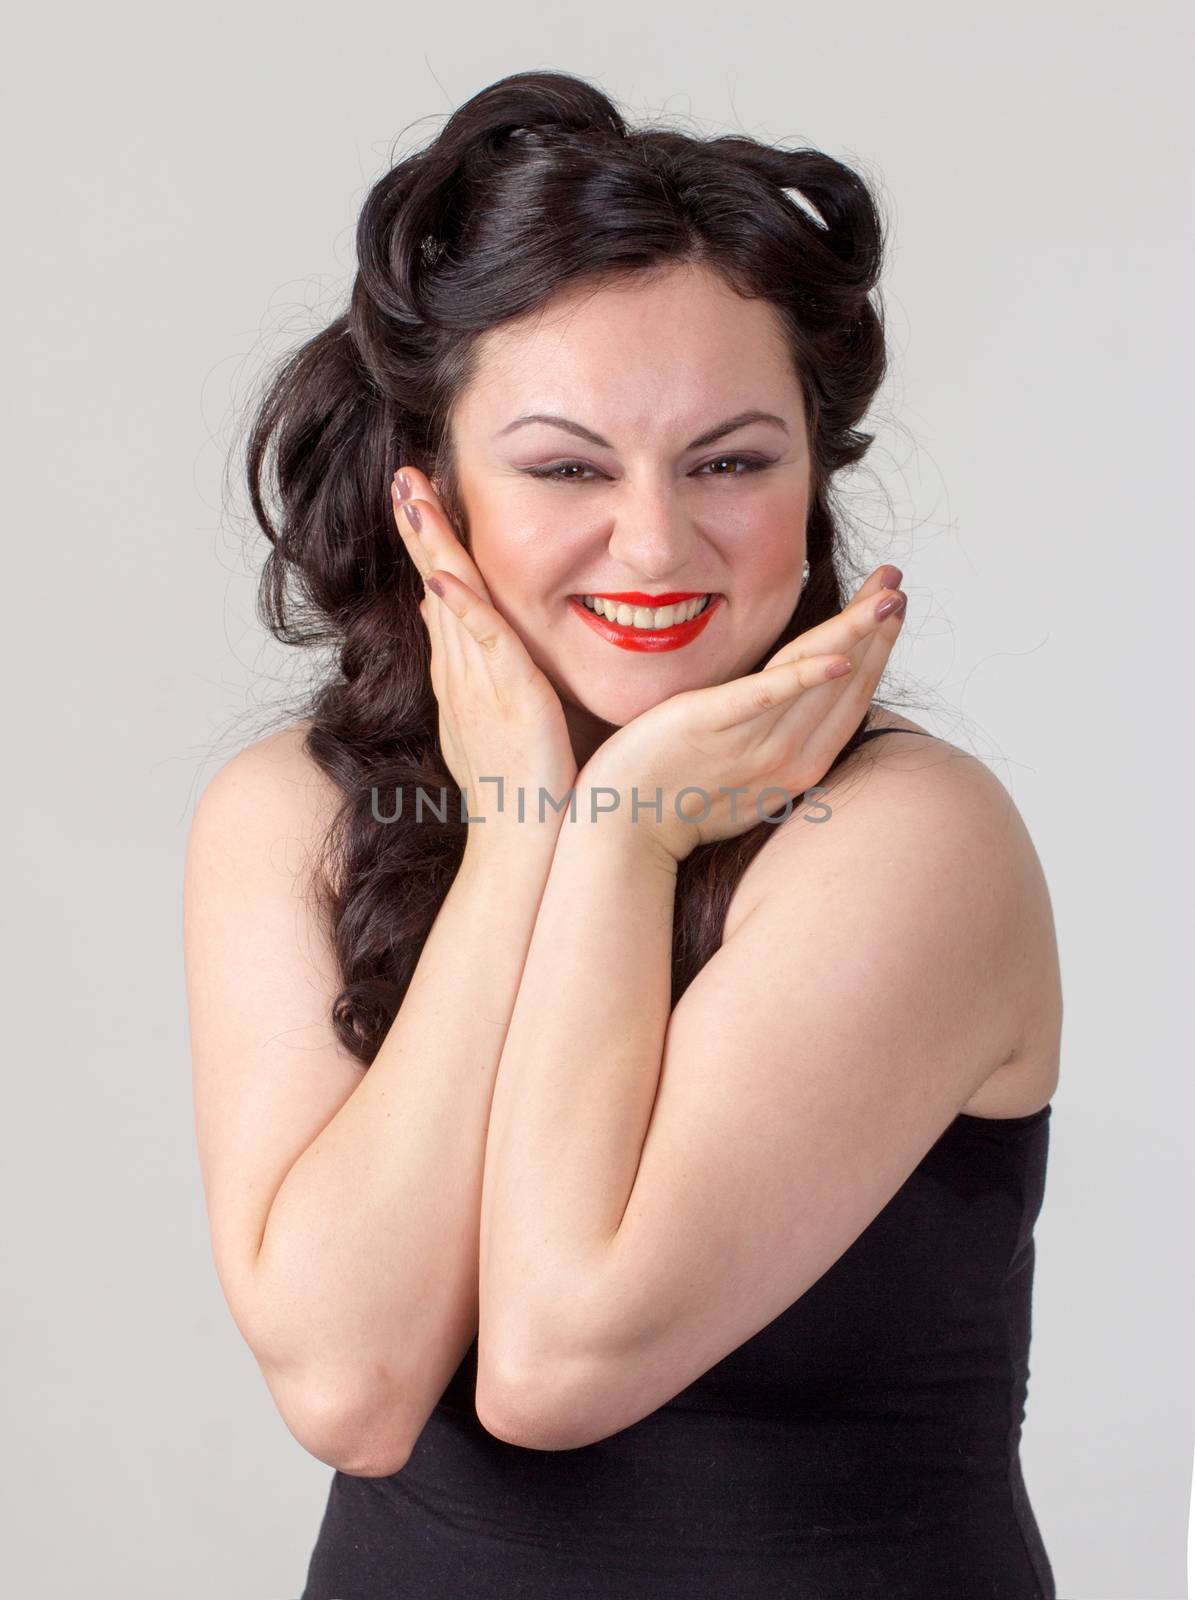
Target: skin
(606,1277)
(545,695)
(595,1241)
(648,365)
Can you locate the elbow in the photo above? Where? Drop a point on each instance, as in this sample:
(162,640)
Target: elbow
(369,1438)
(358,1419)
(507,1416)
(360,1456)
(534,1408)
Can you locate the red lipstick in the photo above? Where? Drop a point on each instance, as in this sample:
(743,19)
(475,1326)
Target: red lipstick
(646,639)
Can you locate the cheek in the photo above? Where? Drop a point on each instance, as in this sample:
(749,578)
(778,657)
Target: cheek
(763,537)
(769,560)
(522,563)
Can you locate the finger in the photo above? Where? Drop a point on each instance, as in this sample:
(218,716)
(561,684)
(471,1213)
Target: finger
(884,577)
(841,633)
(412,542)
(843,705)
(449,656)
(440,542)
(477,616)
(484,636)
(761,692)
(871,659)
(451,641)
(446,652)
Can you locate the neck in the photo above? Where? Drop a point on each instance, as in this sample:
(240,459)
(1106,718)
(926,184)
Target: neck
(586,731)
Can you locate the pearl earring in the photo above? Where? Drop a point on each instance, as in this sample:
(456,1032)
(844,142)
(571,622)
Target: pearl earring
(805,575)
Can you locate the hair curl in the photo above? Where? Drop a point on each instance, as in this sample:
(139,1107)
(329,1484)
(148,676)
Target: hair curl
(533,185)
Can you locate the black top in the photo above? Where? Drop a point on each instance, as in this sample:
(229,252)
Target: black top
(864,1443)
(870,733)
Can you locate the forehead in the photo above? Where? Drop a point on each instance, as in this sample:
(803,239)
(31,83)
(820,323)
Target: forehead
(648,349)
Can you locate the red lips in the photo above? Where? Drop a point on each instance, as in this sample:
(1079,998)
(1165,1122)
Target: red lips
(646,639)
(632,597)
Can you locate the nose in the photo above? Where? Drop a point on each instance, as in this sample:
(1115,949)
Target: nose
(653,536)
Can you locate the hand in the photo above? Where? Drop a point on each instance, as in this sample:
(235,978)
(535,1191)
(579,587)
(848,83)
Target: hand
(778,729)
(499,714)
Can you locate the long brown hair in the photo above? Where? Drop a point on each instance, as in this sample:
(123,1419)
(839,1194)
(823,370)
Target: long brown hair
(534,184)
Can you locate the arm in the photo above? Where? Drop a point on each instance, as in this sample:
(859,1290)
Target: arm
(571,1106)
(344,1205)
(658,1189)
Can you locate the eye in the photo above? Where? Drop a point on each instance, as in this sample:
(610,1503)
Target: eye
(748,464)
(555,474)
(552,473)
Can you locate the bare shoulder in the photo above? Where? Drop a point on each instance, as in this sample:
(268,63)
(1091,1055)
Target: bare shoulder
(269,797)
(920,808)
(275,774)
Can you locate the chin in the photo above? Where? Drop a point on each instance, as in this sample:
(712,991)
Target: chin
(619,705)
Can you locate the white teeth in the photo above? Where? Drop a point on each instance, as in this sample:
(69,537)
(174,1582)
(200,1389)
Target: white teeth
(642,616)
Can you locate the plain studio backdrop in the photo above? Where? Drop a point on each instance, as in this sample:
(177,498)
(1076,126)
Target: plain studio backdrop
(181,186)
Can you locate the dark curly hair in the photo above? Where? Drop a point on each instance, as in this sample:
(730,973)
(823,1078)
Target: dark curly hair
(534,184)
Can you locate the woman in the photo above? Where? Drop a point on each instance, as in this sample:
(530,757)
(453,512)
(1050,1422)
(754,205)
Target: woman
(626,1181)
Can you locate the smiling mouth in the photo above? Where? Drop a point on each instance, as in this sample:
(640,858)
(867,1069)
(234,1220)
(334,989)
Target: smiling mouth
(646,612)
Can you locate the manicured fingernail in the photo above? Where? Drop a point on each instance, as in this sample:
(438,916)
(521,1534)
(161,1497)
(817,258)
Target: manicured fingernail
(435,586)
(889,605)
(838,670)
(404,486)
(413,515)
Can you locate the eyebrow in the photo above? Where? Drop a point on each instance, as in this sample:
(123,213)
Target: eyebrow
(723,428)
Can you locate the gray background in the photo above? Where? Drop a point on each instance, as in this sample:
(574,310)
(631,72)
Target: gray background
(181,186)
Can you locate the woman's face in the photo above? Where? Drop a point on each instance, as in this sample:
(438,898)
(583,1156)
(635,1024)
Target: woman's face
(625,500)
